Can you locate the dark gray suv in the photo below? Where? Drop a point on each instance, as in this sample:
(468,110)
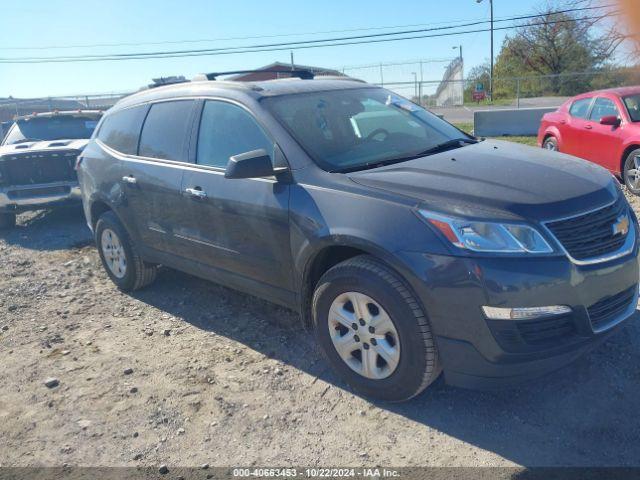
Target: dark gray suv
(408,246)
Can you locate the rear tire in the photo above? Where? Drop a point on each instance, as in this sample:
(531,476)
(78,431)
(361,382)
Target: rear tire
(7,221)
(378,293)
(551,143)
(631,172)
(119,255)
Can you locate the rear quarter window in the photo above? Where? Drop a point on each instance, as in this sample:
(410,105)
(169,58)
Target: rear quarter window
(120,130)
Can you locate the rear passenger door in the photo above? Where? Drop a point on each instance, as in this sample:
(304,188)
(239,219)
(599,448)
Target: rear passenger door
(604,142)
(151,180)
(239,227)
(575,129)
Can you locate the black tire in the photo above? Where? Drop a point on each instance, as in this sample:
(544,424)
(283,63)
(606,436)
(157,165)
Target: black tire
(629,164)
(7,221)
(551,143)
(418,365)
(138,273)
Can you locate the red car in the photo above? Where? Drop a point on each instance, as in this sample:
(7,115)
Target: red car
(602,127)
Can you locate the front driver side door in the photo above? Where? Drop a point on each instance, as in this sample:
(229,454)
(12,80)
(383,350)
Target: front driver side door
(239,227)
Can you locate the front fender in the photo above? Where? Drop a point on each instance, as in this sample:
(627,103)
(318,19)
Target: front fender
(310,251)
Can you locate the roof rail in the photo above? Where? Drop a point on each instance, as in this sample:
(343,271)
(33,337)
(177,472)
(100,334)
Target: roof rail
(162,81)
(302,74)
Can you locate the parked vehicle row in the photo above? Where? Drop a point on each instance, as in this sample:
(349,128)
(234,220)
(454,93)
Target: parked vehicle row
(409,247)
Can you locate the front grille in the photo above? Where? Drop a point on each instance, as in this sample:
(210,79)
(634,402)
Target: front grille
(607,309)
(37,168)
(591,235)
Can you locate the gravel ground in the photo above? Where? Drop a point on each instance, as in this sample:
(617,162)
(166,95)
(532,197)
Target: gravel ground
(187,373)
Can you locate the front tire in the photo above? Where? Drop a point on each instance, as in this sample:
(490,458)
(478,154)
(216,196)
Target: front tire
(7,221)
(119,255)
(631,172)
(551,143)
(373,330)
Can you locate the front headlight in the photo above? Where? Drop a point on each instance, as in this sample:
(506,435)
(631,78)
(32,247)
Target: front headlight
(488,236)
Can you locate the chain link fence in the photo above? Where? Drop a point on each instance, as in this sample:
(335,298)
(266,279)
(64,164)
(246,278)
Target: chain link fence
(517,92)
(12,107)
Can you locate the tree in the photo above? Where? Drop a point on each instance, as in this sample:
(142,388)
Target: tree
(553,45)
(478,74)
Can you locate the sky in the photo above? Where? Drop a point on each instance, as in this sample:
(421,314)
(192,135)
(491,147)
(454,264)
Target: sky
(29,25)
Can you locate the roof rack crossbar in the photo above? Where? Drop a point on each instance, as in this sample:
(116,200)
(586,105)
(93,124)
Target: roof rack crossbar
(302,74)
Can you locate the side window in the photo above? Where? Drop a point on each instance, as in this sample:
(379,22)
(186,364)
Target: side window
(165,130)
(120,130)
(580,108)
(603,107)
(227,130)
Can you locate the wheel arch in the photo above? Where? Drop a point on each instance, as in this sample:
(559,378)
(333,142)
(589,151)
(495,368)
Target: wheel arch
(98,205)
(552,132)
(331,251)
(97,208)
(628,149)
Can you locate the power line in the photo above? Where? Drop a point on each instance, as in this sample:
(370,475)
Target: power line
(161,54)
(202,40)
(222,39)
(391,64)
(356,40)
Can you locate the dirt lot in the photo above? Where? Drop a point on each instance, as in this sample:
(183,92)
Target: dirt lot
(187,372)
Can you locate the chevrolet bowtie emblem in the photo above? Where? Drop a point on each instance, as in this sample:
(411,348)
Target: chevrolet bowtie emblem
(621,226)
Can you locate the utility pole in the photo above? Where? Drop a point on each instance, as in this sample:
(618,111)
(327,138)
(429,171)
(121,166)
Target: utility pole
(381,77)
(460,48)
(462,72)
(293,65)
(491,70)
(415,85)
(420,93)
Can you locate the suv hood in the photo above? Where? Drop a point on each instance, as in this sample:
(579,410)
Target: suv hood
(44,145)
(495,179)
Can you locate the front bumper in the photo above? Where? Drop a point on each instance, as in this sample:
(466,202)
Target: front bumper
(479,353)
(34,197)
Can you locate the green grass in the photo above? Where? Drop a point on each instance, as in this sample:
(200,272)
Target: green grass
(532,141)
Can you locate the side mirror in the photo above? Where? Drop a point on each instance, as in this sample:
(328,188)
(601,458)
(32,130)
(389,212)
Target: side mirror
(254,164)
(611,120)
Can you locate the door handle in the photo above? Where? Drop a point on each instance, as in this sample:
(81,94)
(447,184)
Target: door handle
(196,192)
(563,122)
(588,127)
(129,179)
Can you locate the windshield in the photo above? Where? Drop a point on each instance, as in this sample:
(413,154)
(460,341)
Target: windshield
(52,128)
(632,102)
(346,130)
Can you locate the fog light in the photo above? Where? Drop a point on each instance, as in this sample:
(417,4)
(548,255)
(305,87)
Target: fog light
(528,313)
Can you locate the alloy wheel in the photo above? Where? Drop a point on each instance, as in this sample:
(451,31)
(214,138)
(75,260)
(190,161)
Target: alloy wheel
(364,335)
(633,174)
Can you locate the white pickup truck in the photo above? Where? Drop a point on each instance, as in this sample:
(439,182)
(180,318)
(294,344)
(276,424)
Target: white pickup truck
(37,160)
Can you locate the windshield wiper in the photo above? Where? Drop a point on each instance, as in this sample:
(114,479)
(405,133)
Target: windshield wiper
(441,147)
(448,145)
